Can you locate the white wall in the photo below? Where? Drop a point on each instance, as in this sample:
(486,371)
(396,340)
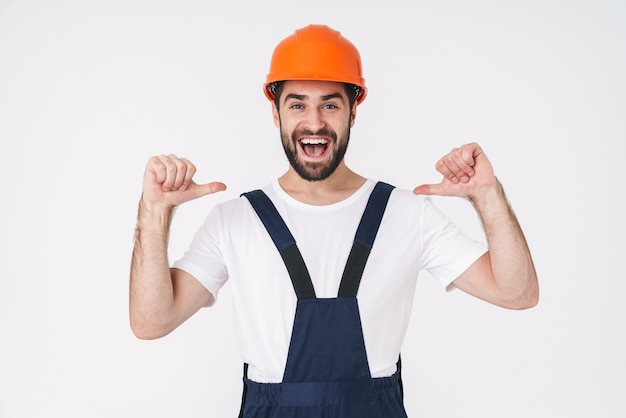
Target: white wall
(89,90)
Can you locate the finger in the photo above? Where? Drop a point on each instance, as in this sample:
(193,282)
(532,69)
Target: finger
(158,170)
(190,171)
(428,189)
(208,188)
(185,171)
(448,168)
(464,161)
(457,165)
(172,166)
(180,173)
(469,152)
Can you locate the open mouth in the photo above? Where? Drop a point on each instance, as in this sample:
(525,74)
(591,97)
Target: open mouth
(314,147)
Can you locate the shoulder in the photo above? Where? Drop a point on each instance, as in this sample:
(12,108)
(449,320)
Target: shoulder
(239,204)
(405,200)
(232,206)
(224,215)
(409,210)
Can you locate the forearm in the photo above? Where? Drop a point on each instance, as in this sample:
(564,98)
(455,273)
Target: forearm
(511,262)
(151,287)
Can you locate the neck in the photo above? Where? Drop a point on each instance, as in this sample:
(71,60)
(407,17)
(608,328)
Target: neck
(337,187)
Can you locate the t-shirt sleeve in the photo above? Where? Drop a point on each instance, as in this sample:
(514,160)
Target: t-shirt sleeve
(447,250)
(203,259)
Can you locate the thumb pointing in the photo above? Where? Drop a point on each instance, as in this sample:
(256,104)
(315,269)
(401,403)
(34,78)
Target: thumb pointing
(208,188)
(427,189)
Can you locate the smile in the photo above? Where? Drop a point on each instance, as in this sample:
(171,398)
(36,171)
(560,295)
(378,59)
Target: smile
(314,147)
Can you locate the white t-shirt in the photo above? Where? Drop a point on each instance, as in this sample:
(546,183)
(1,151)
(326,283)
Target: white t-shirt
(233,245)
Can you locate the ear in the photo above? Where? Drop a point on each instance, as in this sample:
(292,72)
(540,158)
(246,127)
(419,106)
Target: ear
(353,115)
(275,115)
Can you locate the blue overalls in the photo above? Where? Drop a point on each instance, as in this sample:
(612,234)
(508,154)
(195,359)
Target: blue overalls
(327,372)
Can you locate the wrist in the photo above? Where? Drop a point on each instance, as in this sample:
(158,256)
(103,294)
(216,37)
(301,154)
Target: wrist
(489,198)
(151,214)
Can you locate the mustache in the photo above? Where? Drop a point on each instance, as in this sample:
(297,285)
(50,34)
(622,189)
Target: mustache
(320,132)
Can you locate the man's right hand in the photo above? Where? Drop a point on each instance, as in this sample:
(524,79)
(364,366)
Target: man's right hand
(168,182)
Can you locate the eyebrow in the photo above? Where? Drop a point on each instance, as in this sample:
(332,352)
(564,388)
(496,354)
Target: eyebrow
(303,96)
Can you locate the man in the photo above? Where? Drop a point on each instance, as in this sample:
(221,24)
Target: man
(323,261)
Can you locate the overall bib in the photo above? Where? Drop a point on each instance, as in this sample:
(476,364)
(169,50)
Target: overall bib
(327,373)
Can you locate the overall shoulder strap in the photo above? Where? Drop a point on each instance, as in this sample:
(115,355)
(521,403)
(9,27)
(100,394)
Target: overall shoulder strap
(285,243)
(364,239)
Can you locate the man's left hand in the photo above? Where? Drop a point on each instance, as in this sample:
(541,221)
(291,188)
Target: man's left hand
(466,173)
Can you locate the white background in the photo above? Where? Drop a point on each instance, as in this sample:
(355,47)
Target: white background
(90,89)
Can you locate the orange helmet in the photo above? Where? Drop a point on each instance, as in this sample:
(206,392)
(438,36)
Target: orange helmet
(316,52)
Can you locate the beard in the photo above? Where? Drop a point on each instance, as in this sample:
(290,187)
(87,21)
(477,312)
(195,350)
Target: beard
(315,171)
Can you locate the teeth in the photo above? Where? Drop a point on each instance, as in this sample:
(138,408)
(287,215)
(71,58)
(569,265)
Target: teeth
(314,141)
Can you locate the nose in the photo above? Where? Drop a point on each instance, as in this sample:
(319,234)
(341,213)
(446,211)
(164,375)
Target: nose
(314,120)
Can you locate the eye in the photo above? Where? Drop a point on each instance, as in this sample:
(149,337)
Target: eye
(329,106)
(296,106)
